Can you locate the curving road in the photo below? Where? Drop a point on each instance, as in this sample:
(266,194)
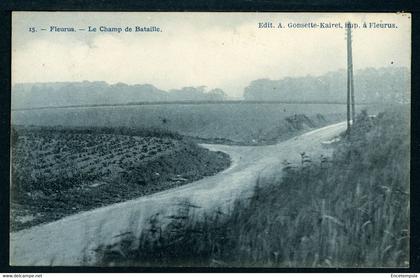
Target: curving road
(70,241)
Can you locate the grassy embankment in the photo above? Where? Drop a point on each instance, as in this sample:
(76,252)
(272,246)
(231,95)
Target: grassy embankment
(351,211)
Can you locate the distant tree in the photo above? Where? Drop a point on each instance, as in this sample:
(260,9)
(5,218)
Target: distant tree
(164,120)
(216,94)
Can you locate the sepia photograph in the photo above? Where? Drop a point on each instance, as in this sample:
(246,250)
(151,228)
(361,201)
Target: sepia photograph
(210,139)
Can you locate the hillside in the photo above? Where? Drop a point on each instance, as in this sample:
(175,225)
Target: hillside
(371,85)
(60,171)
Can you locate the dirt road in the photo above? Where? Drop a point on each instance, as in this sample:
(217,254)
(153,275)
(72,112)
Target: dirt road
(70,241)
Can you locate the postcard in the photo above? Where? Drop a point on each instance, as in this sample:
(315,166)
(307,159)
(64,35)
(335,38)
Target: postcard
(210,139)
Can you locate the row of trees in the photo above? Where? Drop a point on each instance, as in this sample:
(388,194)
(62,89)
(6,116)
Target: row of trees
(31,95)
(371,85)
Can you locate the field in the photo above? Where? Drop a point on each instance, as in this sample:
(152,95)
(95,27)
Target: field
(75,159)
(231,123)
(351,211)
(61,171)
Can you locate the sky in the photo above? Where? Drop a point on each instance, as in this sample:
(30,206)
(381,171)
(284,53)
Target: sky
(217,50)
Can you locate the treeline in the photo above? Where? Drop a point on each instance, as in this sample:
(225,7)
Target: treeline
(33,95)
(371,86)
